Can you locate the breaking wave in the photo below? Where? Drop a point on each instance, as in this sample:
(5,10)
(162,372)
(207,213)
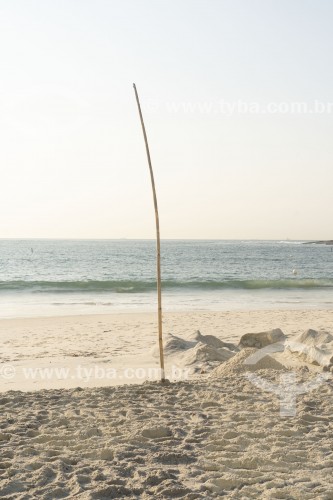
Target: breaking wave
(137,286)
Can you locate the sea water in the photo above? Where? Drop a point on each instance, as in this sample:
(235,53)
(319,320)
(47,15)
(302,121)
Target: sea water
(52,277)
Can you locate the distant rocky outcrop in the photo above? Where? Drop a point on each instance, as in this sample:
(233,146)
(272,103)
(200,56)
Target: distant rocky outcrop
(319,242)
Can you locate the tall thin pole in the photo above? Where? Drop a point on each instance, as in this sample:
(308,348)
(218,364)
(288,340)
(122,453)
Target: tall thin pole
(158,242)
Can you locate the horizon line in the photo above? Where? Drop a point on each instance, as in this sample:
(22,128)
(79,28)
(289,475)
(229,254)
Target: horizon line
(153,239)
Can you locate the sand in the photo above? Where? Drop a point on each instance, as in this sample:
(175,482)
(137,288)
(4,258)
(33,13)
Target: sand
(90,351)
(214,434)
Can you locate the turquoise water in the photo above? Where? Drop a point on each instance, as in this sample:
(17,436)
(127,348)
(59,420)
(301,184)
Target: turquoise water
(40,277)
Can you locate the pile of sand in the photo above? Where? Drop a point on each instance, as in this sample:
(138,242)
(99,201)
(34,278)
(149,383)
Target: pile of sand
(201,353)
(245,361)
(313,347)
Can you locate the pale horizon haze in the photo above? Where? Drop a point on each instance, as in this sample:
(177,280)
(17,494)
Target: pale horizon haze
(233,156)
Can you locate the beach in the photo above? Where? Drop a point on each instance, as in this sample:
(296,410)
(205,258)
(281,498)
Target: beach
(166,265)
(98,423)
(121,341)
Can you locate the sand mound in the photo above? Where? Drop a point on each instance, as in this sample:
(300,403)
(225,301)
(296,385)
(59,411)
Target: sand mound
(245,361)
(176,345)
(313,347)
(211,340)
(200,352)
(262,339)
(312,337)
(203,352)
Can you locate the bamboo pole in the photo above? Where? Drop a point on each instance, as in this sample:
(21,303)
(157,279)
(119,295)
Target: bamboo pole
(158,242)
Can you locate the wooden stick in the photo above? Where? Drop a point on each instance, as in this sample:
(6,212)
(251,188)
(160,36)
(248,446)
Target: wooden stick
(158,242)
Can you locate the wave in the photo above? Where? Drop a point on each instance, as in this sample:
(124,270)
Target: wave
(136,286)
(291,242)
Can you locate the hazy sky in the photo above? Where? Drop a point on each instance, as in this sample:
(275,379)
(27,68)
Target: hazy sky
(211,75)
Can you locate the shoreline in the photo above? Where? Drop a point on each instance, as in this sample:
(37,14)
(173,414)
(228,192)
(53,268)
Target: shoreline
(235,301)
(167,312)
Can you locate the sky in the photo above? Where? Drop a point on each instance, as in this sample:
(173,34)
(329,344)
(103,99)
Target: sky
(237,99)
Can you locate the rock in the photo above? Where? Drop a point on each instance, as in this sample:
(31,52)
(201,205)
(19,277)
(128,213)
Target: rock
(262,339)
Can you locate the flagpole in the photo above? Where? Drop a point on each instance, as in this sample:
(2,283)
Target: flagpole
(158,242)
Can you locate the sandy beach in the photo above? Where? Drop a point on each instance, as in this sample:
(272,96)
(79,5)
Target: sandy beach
(210,433)
(166,165)
(79,345)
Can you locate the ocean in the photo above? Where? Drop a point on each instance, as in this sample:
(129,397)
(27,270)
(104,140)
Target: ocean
(59,277)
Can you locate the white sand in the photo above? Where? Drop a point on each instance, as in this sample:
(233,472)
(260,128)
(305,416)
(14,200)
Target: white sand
(82,347)
(215,436)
